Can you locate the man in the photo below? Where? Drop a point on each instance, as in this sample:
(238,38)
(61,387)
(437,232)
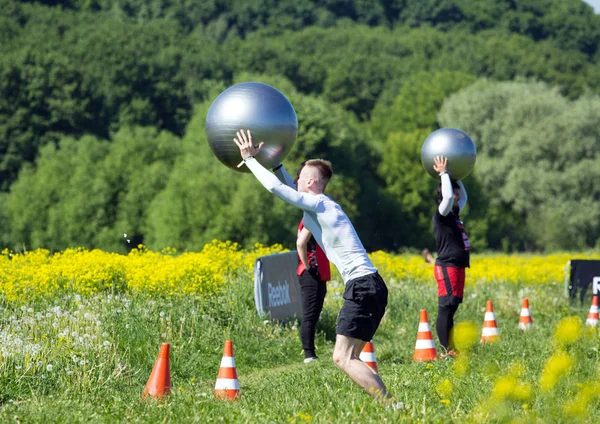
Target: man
(365,295)
(453,249)
(313,272)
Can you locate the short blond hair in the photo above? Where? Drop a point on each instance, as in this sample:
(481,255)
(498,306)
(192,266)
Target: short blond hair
(323,168)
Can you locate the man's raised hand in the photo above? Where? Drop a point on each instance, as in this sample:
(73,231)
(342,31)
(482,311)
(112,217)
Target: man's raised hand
(245,144)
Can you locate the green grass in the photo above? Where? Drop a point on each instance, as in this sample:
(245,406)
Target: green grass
(99,373)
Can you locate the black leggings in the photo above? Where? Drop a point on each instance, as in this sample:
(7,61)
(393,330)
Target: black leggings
(313,296)
(444,324)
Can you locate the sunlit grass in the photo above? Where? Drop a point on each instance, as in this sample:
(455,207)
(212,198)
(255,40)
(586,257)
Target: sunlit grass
(86,358)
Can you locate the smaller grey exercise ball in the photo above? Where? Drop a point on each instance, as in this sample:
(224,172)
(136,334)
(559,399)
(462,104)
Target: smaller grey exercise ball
(453,144)
(257,107)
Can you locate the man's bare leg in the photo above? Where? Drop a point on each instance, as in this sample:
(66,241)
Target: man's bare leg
(346,356)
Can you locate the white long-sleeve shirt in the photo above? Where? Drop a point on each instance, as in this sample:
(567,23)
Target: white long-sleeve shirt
(325,219)
(445,206)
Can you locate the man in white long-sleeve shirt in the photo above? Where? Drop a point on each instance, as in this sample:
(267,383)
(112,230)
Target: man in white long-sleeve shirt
(365,295)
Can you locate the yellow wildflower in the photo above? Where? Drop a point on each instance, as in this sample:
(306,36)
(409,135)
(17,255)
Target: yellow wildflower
(556,366)
(568,330)
(465,335)
(444,388)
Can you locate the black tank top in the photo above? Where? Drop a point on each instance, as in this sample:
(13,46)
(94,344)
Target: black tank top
(451,240)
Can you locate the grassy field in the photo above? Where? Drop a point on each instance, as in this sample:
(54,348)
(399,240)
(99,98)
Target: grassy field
(86,358)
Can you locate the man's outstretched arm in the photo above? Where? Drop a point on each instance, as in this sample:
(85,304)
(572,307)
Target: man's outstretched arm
(284,177)
(269,181)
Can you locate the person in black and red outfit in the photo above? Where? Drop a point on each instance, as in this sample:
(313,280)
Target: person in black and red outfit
(453,249)
(314,272)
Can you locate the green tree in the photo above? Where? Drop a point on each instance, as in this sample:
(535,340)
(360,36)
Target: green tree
(88,192)
(136,169)
(41,97)
(57,201)
(538,159)
(418,102)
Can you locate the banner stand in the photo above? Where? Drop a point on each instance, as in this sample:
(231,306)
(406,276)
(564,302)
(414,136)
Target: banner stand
(277,292)
(582,279)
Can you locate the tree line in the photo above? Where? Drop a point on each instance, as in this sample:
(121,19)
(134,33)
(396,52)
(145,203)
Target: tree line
(102,108)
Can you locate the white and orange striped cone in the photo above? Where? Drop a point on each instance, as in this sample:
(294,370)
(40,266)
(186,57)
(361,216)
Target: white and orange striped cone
(368,356)
(227,386)
(525,321)
(425,348)
(490,332)
(592,318)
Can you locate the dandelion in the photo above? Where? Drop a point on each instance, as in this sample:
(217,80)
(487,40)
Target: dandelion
(304,417)
(49,367)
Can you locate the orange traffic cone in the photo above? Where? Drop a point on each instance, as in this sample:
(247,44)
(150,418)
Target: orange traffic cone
(425,348)
(592,318)
(525,321)
(227,386)
(159,383)
(368,356)
(490,332)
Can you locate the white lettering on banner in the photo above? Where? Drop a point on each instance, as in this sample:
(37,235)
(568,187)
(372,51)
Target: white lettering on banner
(596,285)
(279,295)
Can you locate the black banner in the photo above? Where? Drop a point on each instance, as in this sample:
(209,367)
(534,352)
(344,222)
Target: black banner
(584,279)
(276,287)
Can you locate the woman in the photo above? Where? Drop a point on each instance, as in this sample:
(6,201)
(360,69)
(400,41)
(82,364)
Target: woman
(453,249)
(313,272)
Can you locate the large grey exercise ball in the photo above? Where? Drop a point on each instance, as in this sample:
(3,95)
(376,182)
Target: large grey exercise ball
(455,145)
(257,107)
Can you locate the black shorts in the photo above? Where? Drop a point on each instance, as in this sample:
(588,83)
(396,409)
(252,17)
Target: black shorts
(365,299)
